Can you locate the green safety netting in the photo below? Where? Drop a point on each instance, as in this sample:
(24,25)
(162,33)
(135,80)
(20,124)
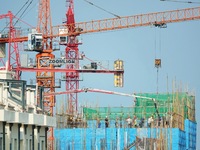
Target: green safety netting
(180,103)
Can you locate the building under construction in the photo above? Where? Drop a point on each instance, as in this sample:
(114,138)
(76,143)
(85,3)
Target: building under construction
(156,121)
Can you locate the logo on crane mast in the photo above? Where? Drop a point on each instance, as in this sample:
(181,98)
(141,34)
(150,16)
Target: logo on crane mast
(61,61)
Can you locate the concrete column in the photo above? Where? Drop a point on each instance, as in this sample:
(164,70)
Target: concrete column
(24,131)
(14,136)
(36,135)
(46,130)
(32,94)
(1,93)
(8,140)
(33,137)
(28,97)
(29,137)
(42,138)
(4,135)
(19,126)
(5,94)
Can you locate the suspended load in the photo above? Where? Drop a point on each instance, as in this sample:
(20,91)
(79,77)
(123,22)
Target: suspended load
(157,63)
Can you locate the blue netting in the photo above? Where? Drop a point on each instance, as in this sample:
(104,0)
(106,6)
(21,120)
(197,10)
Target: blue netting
(118,138)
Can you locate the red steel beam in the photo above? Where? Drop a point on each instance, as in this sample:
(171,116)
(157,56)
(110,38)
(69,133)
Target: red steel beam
(66,70)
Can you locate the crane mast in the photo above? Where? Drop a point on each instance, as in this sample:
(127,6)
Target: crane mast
(13,52)
(44,78)
(72,53)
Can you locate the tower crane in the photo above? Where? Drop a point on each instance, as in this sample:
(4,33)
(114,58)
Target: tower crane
(44,78)
(72,52)
(13,59)
(45,33)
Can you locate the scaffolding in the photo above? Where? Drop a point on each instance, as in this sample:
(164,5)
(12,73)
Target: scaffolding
(177,106)
(173,126)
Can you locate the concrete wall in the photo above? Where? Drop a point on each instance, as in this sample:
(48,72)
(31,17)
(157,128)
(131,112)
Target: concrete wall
(23,125)
(24,131)
(23,137)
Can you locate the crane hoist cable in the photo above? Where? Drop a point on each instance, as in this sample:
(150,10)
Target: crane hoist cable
(157,67)
(16,14)
(31,8)
(23,12)
(190,2)
(22,7)
(102,8)
(158,61)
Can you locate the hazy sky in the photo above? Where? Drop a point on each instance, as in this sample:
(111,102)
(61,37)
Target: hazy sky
(177,46)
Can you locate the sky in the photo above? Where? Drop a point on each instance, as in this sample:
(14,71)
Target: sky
(177,46)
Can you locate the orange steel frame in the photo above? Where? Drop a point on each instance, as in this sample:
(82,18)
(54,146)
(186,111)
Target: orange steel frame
(135,21)
(44,78)
(140,20)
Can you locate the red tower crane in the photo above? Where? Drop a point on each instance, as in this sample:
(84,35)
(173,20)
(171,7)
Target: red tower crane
(13,53)
(72,52)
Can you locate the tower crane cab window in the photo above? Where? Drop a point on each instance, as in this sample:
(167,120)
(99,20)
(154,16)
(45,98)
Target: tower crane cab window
(35,42)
